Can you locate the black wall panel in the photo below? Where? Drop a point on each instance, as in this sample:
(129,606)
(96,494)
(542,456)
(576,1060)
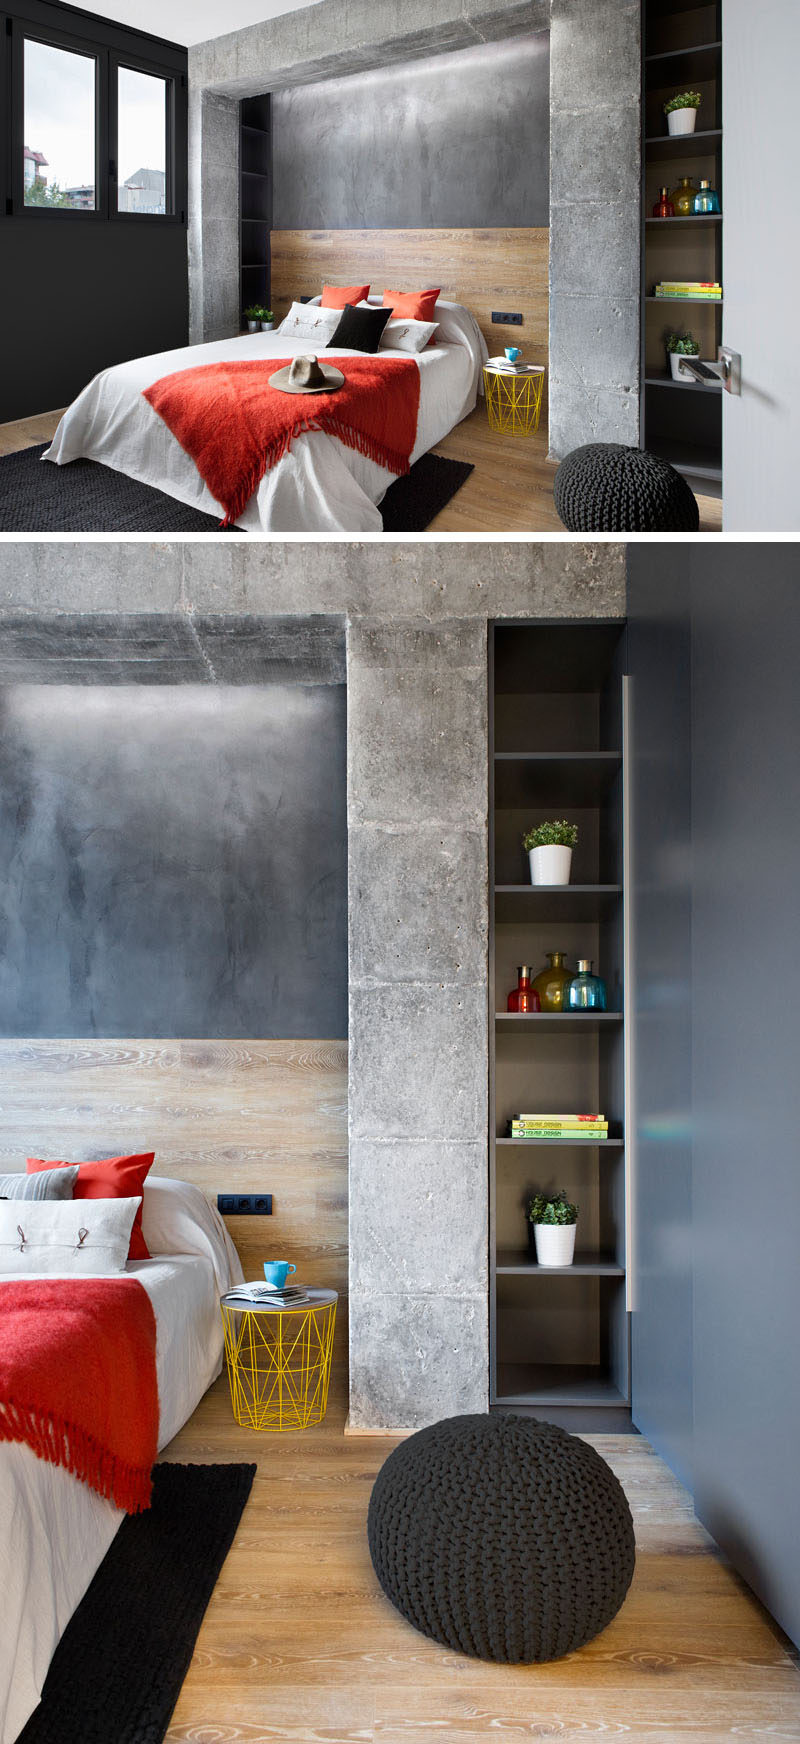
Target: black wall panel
(173,861)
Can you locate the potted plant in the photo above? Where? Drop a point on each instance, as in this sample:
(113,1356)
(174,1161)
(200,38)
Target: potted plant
(549,849)
(681,111)
(253,317)
(553,1219)
(680,345)
(267,323)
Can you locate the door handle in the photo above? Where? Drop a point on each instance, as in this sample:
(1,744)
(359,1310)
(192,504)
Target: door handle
(730,363)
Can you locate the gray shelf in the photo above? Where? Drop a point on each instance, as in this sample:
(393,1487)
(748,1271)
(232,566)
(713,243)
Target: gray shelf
(660,148)
(516,1021)
(554,902)
(580,778)
(691,302)
(683,65)
(602,1144)
(692,387)
(696,221)
(556,1385)
(518,1262)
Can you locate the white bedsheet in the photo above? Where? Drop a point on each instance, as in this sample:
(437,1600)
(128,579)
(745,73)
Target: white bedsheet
(55,1531)
(320,486)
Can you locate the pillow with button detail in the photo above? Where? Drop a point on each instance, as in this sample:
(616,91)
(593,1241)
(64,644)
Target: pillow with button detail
(338,296)
(111,1178)
(309,322)
(58,1236)
(410,336)
(360,329)
(47,1184)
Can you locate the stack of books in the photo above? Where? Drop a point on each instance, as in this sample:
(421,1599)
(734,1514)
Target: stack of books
(509,368)
(704,290)
(570,1127)
(263,1294)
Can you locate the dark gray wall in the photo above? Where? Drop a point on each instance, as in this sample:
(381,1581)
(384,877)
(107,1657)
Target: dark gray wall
(746,1174)
(715,648)
(173,860)
(659,652)
(458,141)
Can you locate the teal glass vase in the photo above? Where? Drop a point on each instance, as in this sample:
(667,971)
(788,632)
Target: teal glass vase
(586,991)
(706,199)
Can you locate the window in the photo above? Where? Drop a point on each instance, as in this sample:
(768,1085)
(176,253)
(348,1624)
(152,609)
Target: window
(60,128)
(142,117)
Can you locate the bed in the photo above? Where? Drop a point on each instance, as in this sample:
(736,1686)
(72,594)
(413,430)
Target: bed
(320,485)
(55,1530)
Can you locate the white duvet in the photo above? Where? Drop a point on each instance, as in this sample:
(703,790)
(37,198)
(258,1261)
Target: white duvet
(320,486)
(54,1530)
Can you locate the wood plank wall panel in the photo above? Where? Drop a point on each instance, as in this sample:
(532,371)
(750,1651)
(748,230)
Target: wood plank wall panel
(265,1116)
(484,269)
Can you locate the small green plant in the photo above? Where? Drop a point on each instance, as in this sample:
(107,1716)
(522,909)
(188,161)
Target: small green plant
(683,344)
(265,314)
(552,1208)
(684,100)
(253,313)
(558,834)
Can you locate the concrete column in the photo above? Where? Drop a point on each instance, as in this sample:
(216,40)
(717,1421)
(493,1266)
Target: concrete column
(595,154)
(418,897)
(214,311)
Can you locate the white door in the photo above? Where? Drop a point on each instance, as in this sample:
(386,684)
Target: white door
(761,263)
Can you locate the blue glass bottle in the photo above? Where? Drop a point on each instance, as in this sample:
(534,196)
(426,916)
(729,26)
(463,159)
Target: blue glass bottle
(586,992)
(706,199)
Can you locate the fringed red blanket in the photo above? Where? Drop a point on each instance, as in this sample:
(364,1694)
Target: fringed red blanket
(78,1380)
(235,426)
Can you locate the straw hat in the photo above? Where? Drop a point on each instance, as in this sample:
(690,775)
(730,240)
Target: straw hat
(306,375)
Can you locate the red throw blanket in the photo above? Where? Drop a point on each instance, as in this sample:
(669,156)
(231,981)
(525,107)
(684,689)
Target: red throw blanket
(235,426)
(78,1380)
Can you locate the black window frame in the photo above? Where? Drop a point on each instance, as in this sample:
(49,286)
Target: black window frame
(111,46)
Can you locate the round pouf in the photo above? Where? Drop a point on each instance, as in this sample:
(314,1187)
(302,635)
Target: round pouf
(501,1537)
(605,488)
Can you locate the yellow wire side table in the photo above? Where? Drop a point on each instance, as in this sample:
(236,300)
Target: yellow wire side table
(514,401)
(279,1360)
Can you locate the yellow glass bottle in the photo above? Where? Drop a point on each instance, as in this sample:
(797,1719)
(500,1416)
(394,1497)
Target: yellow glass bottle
(551,983)
(682,197)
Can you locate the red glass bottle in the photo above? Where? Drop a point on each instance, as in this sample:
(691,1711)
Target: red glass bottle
(663,207)
(524,997)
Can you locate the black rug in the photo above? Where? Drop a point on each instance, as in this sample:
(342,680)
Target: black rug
(85,497)
(118,1669)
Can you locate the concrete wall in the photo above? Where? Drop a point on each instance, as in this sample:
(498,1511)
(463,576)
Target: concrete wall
(416,617)
(151,890)
(595,198)
(461,140)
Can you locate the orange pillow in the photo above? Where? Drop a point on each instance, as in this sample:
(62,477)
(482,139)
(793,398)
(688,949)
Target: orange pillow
(113,1178)
(412,305)
(338,296)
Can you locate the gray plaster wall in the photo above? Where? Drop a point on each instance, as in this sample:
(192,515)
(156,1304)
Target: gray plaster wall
(416,616)
(172,858)
(595,167)
(459,140)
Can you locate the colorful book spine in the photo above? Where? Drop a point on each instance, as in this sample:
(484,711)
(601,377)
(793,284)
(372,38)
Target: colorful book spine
(561,1119)
(574,1132)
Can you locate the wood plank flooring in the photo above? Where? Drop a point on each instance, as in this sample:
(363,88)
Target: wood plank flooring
(510,491)
(299,1644)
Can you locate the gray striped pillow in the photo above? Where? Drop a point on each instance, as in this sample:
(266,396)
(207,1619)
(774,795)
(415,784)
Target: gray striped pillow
(48,1184)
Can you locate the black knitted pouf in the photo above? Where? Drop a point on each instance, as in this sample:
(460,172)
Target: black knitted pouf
(501,1537)
(605,488)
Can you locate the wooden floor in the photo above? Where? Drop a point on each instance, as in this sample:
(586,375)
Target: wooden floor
(299,1644)
(510,491)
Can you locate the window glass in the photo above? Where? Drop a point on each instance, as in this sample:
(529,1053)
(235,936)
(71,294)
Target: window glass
(59,146)
(141,142)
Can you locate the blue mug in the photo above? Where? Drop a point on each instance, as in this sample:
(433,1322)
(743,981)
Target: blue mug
(277,1271)
(512,353)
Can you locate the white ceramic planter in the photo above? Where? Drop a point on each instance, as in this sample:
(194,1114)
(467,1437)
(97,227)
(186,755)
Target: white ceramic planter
(681,120)
(550,865)
(555,1243)
(676,358)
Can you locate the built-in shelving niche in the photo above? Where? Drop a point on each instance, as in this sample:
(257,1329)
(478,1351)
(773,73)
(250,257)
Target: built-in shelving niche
(681,421)
(255,199)
(559,1340)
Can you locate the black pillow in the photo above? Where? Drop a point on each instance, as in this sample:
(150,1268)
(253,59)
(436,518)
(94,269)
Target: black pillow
(360,329)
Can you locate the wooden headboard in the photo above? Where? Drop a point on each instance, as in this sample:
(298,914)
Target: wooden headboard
(266,1117)
(506,270)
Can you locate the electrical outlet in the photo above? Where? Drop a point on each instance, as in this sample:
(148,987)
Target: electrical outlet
(499,319)
(245,1204)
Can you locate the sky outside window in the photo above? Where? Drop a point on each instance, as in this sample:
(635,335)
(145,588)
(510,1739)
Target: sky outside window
(142,141)
(60,118)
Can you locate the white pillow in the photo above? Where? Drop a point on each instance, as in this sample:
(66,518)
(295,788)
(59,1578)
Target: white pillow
(68,1237)
(178,1219)
(306,322)
(402,334)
